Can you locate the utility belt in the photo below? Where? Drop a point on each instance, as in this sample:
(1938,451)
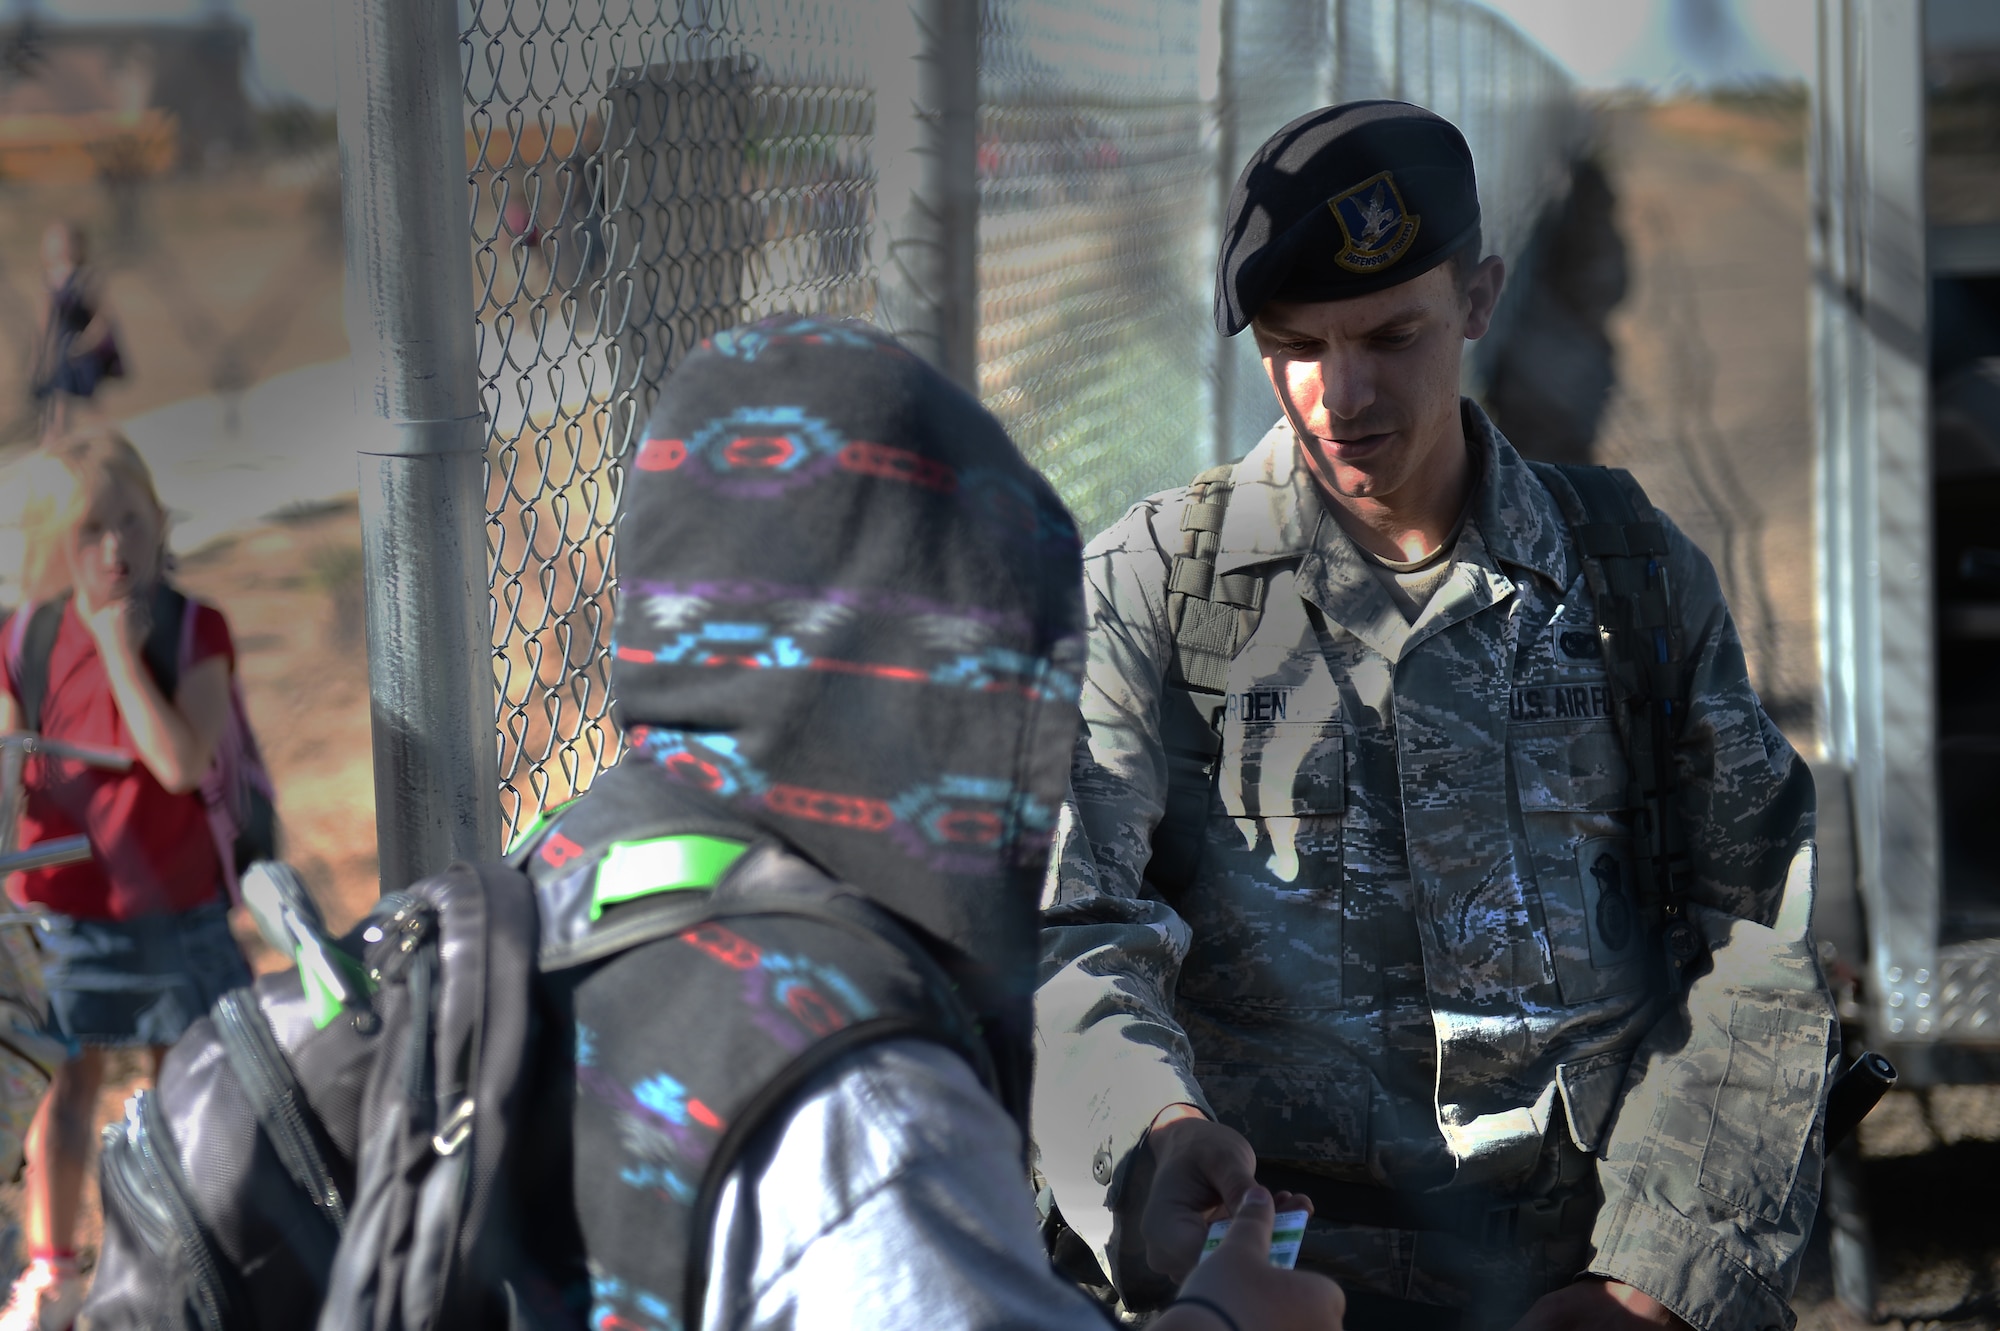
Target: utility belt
(1474,1215)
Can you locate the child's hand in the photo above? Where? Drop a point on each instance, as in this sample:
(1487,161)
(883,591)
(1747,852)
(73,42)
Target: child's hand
(113,624)
(1238,1277)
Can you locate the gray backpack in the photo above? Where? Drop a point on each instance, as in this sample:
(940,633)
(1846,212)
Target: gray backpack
(335,1138)
(381,1138)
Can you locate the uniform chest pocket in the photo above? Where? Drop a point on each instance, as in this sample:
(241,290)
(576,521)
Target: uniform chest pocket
(1283,769)
(1572,784)
(1569,768)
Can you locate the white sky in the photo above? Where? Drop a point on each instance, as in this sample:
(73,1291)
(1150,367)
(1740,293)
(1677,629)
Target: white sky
(1605,43)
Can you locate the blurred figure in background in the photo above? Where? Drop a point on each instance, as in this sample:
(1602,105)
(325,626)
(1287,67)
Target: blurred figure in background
(78,346)
(106,653)
(522,233)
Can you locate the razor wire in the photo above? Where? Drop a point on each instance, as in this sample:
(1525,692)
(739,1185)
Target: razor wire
(644,174)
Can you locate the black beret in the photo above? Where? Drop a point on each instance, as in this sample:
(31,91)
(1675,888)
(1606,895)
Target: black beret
(1341,202)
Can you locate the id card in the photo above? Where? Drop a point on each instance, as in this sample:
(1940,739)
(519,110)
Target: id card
(1288,1231)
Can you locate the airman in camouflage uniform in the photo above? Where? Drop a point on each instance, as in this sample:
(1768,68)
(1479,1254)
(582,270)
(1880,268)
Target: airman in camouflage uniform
(1407,962)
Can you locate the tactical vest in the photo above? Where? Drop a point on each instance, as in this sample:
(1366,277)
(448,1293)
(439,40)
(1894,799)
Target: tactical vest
(1617,533)
(781,973)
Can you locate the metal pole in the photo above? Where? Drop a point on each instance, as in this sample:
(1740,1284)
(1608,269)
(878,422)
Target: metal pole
(1336,73)
(422,477)
(927,185)
(1896,784)
(1228,120)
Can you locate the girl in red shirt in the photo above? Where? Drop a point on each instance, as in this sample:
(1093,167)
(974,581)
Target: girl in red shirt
(143,946)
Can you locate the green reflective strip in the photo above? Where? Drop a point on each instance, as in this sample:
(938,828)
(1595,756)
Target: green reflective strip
(326,974)
(541,820)
(323,1004)
(633,869)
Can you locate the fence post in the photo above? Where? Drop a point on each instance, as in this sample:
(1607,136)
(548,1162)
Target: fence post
(1228,115)
(927,187)
(422,436)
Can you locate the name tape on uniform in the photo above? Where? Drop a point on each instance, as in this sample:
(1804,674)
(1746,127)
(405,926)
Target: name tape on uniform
(1561,702)
(1258,705)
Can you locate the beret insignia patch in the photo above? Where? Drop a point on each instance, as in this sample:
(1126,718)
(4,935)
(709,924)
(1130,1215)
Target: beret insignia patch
(1376,226)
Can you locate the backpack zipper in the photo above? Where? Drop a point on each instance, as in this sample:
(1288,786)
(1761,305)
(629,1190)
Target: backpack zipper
(133,1196)
(273,1089)
(153,1143)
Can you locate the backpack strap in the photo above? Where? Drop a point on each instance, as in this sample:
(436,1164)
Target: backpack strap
(271,1085)
(670,862)
(760,891)
(1210,617)
(791,972)
(184,649)
(169,638)
(30,644)
(17,632)
(1623,545)
(635,838)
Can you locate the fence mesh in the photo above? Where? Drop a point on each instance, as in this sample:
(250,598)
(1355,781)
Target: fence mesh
(639,181)
(644,174)
(1096,173)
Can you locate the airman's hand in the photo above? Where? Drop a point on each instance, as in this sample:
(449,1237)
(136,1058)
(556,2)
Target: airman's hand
(1594,1304)
(1198,1166)
(1238,1278)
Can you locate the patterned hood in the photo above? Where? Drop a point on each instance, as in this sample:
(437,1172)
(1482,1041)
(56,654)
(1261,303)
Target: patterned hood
(850,613)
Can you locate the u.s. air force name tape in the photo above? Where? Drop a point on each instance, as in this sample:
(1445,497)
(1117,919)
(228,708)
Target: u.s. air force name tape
(1288,1231)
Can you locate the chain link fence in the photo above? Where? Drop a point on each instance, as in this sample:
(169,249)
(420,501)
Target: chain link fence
(637,184)
(1096,224)
(643,175)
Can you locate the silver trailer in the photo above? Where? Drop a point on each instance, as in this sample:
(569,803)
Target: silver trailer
(1906,318)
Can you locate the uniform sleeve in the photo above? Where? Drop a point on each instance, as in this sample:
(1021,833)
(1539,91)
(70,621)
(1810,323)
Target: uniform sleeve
(893,1197)
(1109,1053)
(1711,1169)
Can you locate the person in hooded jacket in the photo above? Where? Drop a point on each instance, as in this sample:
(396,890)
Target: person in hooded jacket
(849,627)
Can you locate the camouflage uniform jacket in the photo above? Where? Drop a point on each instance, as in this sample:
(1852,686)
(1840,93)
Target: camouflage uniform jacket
(1391,966)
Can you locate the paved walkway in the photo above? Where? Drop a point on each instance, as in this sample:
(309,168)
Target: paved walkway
(225,465)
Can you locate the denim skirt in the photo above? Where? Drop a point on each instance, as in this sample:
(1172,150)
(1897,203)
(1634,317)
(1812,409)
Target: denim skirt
(138,982)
